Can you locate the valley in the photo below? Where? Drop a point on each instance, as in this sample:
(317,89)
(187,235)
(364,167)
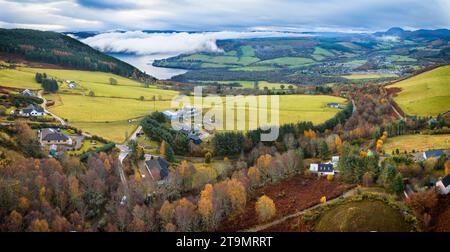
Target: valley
(87,143)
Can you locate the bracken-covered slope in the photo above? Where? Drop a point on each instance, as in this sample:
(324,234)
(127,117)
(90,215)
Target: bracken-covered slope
(59,49)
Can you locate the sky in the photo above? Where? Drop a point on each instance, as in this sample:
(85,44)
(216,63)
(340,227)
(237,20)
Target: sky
(224,15)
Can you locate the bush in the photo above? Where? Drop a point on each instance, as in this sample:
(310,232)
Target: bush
(208,156)
(265,208)
(330,177)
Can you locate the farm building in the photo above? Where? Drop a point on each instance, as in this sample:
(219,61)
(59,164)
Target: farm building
(54,137)
(28,93)
(157,167)
(322,169)
(433,153)
(32,110)
(170,115)
(334,105)
(444,185)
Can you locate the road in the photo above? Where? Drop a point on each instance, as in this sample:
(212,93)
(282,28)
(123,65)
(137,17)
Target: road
(354,106)
(124,152)
(63,122)
(265,226)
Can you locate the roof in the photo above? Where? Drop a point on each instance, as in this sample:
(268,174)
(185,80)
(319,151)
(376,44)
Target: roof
(32,107)
(446,180)
(27,92)
(434,153)
(160,164)
(53,135)
(325,168)
(194,137)
(333,104)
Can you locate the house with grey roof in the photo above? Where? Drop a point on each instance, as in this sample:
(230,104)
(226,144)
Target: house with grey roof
(433,153)
(32,110)
(157,167)
(50,137)
(444,185)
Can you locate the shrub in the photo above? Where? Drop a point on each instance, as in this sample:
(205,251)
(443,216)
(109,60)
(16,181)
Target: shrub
(330,177)
(265,208)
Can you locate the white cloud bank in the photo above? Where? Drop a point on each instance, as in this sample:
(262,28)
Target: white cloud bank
(142,43)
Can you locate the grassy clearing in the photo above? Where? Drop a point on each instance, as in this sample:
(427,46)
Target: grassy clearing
(106,117)
(400,58)
(287,61)
(253,68)
(362,216)
(87,81)
(368,76)
(417,143)
(426,94)
(221,60)
(18,79)
(323,52)
(86,146)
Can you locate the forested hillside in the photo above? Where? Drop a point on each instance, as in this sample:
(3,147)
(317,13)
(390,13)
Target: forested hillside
(62,50)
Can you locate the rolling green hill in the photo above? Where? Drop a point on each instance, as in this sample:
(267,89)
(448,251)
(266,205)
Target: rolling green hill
(426,94)
(59,49)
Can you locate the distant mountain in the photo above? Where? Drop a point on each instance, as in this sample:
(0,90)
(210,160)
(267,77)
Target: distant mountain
(62,50)
(424,34)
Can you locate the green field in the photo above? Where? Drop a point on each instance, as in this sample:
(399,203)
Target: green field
(221,60)
(253,68)
(400,58)
(426,94)
(417,143)
(107,117)
(251,84)
(18,79)
(368,76)
(287,61)
(362,216)
(107,114)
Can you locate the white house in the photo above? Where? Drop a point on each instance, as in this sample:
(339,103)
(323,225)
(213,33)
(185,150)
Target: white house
(32,110)
(444,185)
(28,93)
(335,160)
(322,169)
(170,115)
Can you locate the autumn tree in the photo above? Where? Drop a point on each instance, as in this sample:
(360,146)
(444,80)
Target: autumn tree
(162,148)
(447,167)
(254,176)
(206,208)
(185,215)
(265,208)
(39,225)
(167,212)
(424,205)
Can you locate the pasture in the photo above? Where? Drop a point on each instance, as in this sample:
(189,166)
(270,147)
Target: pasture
(368,76)
(287,61)
(108,117)
(417,143)
(426,94)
